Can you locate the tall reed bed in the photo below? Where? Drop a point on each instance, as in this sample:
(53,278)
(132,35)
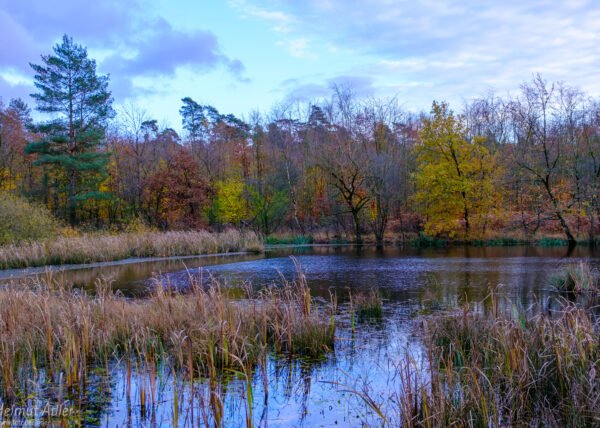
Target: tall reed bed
(48,327)
(104,248)
(578,279)
(495,370)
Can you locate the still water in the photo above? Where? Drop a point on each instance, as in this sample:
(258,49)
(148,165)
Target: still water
(412,282)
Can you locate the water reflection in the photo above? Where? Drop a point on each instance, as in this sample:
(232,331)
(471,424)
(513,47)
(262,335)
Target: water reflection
(454,276)
(129,276)
(292,392)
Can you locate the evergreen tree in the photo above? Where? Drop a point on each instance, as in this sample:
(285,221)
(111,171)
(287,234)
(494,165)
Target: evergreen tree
(192,118)
(79,101)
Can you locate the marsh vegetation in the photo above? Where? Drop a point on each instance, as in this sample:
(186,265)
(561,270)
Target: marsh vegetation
(105,247)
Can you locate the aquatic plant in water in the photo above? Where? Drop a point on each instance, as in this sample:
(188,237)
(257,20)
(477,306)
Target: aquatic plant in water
(579,278)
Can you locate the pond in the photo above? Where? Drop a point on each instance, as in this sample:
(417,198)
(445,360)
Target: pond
(328,392)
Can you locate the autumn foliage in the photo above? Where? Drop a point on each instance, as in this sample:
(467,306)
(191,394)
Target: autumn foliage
(342,168)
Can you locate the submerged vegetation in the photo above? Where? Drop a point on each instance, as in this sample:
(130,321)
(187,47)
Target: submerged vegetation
(490,366)
(104,248)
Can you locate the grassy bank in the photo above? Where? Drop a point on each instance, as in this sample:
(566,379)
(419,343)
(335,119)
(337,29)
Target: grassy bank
(497,370)
(104,248)
(423,241)
(498,241)
(286,239)
(49,328)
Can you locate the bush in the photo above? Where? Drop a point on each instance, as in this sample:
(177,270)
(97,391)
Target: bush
(21,220)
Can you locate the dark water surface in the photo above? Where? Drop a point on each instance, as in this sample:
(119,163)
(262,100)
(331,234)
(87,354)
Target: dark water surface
(325,393)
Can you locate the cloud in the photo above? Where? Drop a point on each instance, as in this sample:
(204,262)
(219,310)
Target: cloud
(456,47)
(18,45)
(129,41)
(280,22)
(13,89)
(90,21)
(165,49)
(298,48)
(304,90)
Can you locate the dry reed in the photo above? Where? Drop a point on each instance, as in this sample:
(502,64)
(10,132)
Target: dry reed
(49,327)
(104,248)
(496,370)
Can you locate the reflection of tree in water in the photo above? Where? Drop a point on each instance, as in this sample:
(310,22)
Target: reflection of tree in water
(408,280)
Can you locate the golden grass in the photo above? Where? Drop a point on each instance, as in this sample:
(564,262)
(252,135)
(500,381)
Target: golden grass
(48,326)
(368,305)
(494,370)
(580,278)
(104,248)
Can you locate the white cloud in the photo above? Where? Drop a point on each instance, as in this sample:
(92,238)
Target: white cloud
(281,22)
(298,48)
(458,48)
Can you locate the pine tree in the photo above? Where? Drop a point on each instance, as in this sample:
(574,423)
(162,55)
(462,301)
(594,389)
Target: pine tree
(79,101)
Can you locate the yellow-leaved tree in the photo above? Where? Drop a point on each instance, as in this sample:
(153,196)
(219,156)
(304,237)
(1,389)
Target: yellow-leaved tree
(456,177)
(230,204)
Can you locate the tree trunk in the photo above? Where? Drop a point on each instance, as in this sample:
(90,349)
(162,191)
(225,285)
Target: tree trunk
(592,237)
(294,199)
(357,232)
(466,215)
(72,207)
(380,227)
(570,238)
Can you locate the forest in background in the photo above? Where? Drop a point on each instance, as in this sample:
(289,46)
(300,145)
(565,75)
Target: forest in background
(522,167)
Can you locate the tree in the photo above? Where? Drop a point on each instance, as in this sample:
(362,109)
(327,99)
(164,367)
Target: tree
(229,204)
(590,167)
(283,133)
(15,122)
(176,194)
(541,149)
(192,119)
(268,207)
(69,88)
(343,159)
(130,158)
(455,177)
(382,135)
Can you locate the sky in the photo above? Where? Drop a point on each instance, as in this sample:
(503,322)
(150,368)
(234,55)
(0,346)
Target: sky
(250,55)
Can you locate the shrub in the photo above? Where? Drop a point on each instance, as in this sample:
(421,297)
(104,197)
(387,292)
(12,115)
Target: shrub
(21,220)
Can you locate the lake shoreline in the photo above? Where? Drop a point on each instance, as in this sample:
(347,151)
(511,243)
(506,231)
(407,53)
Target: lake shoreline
(36,270)
(416,240)
(212,352)
(107,248)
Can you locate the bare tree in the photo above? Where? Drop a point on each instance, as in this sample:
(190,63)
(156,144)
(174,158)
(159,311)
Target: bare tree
(539,149)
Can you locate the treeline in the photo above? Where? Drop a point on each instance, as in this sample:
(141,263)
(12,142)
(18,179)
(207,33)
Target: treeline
(520,166)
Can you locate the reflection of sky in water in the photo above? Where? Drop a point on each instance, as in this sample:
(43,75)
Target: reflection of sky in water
(304,394)
(399,274)
(411,281)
